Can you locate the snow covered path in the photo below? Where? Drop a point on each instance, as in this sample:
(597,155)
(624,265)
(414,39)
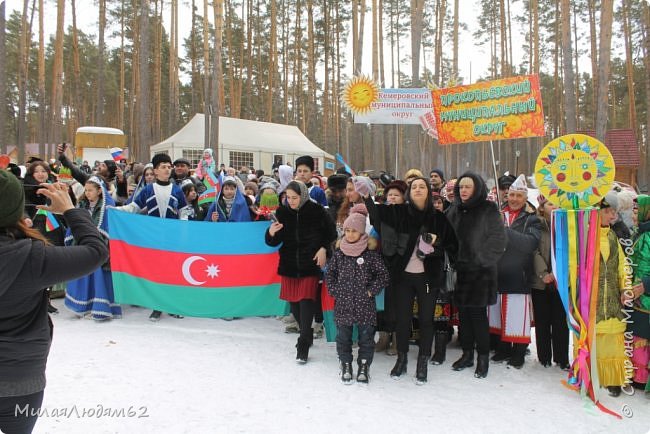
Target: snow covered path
(213,376)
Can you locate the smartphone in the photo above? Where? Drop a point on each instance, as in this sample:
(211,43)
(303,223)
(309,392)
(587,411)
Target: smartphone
(273,218)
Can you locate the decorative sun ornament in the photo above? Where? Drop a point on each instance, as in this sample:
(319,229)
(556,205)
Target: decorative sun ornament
(359,93)
(575,171)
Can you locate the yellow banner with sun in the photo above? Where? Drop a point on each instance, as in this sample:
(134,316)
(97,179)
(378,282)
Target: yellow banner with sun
(509,108)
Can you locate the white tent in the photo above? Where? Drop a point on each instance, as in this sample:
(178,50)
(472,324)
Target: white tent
(244,142)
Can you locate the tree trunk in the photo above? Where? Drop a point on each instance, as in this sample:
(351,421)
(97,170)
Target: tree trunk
(593,38)
(577,65)
(42,125)
(646,61)
(326,83)
(417,9)
(567,63)
(207,106)
(272,61)
(143,100)
(604,54)
(442,12)
(3,78)
(57,85)
(629,67)
(22,84)
(358,11)
(157,73)
(101,61)
(382,78)
(79,115)
(120,98)
(217,78)
(310,112)
(173,104)
(557,92)
(454,61)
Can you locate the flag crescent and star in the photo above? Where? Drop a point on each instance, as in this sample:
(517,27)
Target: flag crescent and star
(211,271)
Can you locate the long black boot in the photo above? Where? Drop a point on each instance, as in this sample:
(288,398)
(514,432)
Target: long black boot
(400,366)
(440,347)
(302,346)
(482,365)
(465,361)
(518,356)
(421,370)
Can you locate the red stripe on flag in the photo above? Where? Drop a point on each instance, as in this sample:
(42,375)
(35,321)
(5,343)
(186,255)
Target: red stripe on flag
(190,269)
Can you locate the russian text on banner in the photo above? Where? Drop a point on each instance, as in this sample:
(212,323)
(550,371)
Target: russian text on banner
(509,108)
(201,269)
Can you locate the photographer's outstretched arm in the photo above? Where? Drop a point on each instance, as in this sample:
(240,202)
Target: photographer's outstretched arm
(79,176)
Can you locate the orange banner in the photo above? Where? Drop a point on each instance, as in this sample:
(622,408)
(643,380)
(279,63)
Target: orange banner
(509,108)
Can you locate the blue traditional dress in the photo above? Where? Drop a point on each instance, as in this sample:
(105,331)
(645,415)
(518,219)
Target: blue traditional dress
(165,196)
(235,210)
(93,294)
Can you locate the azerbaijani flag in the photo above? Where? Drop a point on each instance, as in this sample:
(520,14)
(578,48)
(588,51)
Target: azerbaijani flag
(51,223)
(201,269)
(116,153)
(213,186)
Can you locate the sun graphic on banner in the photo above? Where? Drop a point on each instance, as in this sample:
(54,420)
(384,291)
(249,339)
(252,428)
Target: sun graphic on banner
(359,93)
(575,171)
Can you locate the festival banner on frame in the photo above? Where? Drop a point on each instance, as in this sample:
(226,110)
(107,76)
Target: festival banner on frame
(509,108)
(397,106)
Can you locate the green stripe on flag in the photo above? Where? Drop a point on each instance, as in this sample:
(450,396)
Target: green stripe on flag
(237,301)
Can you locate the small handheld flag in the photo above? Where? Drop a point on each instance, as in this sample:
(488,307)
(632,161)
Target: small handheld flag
(348,169)
(50,221)
(213,186)
(116,153)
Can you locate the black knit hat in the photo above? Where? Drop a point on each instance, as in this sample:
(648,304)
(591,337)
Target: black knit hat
(505,181)
(158,159)
(12,197)
(440,174)
(337,182)
(306,160)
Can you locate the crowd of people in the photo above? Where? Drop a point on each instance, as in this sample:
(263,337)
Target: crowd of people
(445,255)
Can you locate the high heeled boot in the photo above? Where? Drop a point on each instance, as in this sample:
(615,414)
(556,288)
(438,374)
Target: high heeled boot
(465,361)
(400,366)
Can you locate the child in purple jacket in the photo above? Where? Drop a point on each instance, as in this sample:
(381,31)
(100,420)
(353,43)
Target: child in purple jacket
(355,275)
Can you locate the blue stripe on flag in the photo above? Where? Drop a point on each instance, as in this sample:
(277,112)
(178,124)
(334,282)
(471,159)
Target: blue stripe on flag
(188,236)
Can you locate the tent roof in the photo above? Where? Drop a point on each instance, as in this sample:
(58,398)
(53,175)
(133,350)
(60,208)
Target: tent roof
(242,134)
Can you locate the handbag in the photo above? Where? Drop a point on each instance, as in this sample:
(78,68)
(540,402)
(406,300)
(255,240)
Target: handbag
(450,276)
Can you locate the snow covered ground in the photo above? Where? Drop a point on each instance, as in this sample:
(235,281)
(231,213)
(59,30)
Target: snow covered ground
(212,376)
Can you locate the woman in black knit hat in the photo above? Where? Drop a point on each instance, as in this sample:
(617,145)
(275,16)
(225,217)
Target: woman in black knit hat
(28,264)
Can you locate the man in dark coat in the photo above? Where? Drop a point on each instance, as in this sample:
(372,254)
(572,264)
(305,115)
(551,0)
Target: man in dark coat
(481,242)
(510,317)
(336,187)
(181,173)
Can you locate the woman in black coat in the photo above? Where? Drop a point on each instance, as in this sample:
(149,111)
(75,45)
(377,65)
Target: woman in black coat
(28,264)
(306,232)
(481,242)
(415,238)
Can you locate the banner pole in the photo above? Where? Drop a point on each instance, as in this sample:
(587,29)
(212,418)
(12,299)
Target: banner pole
(496,175)
(396,149)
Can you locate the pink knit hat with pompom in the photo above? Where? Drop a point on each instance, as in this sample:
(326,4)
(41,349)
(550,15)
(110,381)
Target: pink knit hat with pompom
(357,218)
